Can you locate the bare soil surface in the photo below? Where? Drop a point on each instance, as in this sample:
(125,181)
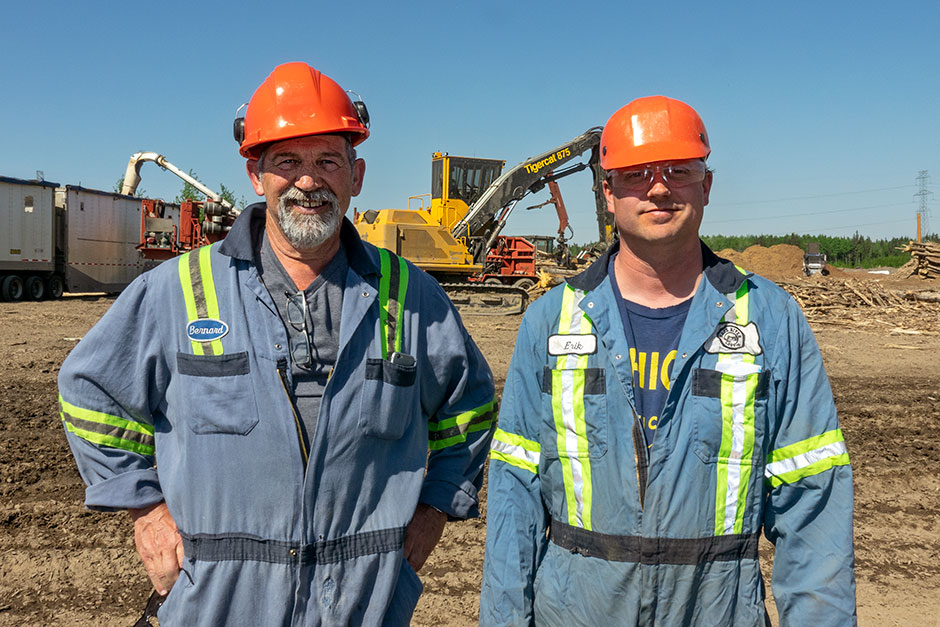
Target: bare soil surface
(63,565)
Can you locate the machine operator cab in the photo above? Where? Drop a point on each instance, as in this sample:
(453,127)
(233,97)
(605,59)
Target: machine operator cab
(458,182)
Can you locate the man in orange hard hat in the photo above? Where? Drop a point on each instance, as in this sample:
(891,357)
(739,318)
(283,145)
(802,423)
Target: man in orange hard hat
(304,410)
(661,409)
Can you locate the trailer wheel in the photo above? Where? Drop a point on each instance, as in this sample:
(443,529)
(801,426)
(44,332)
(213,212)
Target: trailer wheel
(524,284)
(35,288)
(55,287)
(12,288)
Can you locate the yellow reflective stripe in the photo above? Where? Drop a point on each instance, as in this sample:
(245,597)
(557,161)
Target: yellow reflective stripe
(402,290)
(208,284)
(564,322)
(516,450)
(463,418)
(746,466)
(384,283)
(454,430)
(107,430)
(186,283)
(568,414)
(806,458)
(736,451)
(724,452)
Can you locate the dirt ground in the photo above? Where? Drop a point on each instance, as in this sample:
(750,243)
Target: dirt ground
(62,565)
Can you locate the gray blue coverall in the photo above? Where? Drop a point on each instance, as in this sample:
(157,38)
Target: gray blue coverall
(586,526)
(179,393)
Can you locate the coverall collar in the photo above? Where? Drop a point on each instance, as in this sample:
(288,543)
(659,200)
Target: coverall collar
(246,233)
(721,273)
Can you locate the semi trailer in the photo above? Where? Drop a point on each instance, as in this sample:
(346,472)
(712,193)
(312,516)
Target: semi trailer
(56,239)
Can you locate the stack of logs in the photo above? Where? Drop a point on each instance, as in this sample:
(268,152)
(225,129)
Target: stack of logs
(925,259)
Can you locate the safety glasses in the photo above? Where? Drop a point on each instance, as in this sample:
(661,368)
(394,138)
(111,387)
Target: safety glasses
(640,179)
(299,339)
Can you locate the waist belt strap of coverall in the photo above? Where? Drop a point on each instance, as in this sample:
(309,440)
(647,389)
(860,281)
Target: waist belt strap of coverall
(614,548)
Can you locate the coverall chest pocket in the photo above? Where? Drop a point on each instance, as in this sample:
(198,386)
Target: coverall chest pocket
(385,409)
(730,409)
(575,402)
(221,394)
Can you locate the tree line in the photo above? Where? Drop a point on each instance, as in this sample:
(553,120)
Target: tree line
(856,251)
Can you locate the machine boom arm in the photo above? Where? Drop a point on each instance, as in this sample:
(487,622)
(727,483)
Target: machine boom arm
(132,176)
(485,217)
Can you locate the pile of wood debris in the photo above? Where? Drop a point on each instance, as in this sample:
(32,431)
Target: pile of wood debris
(925,259)
(866,303)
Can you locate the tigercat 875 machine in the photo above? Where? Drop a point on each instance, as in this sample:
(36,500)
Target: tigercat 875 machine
(455,237)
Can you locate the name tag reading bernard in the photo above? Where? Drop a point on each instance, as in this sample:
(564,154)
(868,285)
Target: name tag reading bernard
(572,344)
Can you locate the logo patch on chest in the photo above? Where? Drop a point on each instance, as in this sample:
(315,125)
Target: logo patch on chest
(731,337)
(206,330)
(572,344)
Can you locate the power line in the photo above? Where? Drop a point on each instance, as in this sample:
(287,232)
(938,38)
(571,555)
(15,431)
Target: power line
(861,191)
(810,213)
(855,226)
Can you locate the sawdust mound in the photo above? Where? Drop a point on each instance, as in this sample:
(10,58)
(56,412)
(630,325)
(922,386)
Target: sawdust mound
(780,261)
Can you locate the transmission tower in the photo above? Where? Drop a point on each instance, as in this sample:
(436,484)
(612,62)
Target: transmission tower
(924,194)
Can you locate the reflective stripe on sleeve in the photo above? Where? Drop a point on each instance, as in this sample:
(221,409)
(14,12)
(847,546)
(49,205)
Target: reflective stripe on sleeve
(450,431)
(568,413)
(735,455)
(516,451)
(806,458)
(107,430)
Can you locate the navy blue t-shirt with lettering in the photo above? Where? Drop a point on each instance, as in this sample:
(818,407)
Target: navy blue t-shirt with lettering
(653,337)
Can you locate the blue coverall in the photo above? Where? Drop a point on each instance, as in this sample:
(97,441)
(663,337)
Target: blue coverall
(180,393)
(586,526)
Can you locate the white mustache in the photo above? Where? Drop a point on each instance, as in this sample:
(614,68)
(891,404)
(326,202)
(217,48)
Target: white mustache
(308,199)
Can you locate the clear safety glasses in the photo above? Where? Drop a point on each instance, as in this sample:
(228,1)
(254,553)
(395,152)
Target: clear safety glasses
(299,339)
(641,178)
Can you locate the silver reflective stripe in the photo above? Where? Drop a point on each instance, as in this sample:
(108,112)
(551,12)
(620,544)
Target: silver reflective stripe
(568,412)
(738,386)
(515,450)
(805,460)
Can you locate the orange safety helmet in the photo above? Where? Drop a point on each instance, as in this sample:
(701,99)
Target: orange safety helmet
(653,129)
(297,100)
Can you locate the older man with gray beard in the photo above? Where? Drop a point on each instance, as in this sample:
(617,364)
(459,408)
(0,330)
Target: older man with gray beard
(314,404)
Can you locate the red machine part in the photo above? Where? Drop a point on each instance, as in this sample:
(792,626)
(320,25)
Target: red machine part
(510,262)
(200,223)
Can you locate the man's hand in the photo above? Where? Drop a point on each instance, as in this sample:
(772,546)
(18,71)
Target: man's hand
(422,535)
(158,544)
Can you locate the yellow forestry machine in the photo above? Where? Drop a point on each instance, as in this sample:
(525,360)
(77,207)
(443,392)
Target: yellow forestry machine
(456,237)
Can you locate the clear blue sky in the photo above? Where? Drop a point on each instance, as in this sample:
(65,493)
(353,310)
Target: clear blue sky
(820,114)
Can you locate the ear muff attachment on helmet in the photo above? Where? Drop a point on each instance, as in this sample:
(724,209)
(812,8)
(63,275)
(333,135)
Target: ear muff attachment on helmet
(238,126)
(361,111)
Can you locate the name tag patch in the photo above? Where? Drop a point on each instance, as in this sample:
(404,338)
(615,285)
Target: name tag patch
(731,337)
(572,344)
(206,330)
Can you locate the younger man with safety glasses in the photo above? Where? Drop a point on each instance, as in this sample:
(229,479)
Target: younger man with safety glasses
(661,409)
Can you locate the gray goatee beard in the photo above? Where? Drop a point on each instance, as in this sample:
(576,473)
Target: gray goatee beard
(307,231)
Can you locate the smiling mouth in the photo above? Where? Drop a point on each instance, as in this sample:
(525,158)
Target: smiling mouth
(310,205)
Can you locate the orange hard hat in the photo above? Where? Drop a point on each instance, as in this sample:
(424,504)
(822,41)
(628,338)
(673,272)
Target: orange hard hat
(297,100)
(653,129)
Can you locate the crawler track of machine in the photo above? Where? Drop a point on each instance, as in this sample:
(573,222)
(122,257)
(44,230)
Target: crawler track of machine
(487,298)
